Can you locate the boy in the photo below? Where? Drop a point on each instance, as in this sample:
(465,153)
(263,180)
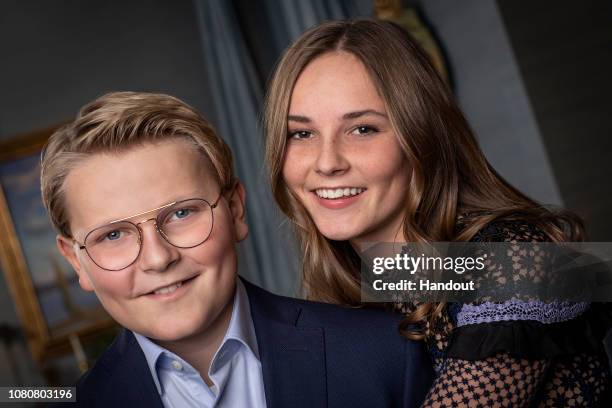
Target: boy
(148,210)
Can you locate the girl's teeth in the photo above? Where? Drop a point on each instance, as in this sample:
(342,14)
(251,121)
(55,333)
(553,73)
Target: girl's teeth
(339,192)
(168,289)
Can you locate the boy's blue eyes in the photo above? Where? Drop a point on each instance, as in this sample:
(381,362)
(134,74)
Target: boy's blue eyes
(181,213)
(113,235)
(175,215)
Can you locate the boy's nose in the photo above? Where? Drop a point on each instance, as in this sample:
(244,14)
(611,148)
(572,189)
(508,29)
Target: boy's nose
(156,254)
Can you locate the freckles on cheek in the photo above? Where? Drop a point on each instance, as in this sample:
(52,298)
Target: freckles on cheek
(293,172)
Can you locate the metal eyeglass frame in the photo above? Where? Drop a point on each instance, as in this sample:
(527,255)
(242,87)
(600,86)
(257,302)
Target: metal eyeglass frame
(159,231)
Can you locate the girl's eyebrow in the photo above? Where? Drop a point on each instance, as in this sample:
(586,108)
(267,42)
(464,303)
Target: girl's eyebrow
(299,118)
(349,115)
(357,114)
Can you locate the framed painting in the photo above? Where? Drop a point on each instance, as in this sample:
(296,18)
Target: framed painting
(56,315)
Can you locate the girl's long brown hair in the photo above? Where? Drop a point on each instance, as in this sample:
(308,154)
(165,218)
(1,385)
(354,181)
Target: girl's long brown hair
(449,173)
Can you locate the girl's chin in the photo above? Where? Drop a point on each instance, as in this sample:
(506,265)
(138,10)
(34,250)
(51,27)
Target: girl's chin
(354,236)
(335,234)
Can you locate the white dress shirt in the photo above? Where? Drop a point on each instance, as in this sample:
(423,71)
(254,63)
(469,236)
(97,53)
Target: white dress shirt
(235,369)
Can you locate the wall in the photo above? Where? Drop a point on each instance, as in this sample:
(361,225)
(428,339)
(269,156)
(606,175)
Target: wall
(58,55)
(564,52)
(491,93)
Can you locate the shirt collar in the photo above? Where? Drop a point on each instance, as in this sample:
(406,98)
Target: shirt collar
(152,353)
(240,328)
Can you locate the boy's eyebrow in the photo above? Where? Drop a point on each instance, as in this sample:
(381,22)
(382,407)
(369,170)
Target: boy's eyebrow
(179,198)
(143,213)
(349,115)
(117,220)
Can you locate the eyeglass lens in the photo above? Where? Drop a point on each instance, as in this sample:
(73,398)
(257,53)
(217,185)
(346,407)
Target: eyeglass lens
(185,224)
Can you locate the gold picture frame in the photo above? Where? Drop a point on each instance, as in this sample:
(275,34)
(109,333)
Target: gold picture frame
(55,314)
(410,20)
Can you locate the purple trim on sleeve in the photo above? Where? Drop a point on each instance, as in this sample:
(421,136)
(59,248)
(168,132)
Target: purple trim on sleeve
(515,309)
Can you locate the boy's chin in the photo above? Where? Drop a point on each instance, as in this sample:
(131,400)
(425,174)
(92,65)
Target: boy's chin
(170,333)
(184,327)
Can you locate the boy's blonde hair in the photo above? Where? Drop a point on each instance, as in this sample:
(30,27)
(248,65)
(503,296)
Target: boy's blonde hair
(116,122)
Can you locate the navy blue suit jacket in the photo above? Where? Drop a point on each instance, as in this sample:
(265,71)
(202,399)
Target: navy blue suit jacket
(312,354)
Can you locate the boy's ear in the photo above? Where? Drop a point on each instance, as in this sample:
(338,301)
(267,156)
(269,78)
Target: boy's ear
(68,248)
(237,205)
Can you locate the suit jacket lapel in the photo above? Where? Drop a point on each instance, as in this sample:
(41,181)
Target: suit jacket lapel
(131,377)
(292,357)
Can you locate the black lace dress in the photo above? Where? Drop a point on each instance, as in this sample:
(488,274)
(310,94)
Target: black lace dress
(512,354)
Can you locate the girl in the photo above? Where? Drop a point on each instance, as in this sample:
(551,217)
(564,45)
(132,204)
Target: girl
(366,144)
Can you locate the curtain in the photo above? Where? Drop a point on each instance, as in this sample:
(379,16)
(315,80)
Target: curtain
(269,256)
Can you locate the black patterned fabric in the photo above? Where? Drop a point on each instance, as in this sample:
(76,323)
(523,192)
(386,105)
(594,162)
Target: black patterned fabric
(509,363)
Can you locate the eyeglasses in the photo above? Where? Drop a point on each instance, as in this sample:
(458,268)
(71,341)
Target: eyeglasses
(183,224)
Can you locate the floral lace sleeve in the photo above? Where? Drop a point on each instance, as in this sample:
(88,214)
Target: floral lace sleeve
(506,381)
(520,352)
(499,380)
